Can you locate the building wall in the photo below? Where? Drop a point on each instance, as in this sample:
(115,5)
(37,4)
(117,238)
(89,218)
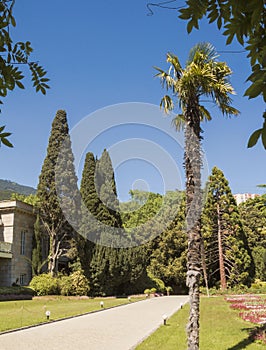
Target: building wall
(18,228)
(5,272)
(243,197)
(23,231)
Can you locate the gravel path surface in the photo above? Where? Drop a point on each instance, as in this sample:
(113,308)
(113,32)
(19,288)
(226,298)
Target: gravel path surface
(120,328)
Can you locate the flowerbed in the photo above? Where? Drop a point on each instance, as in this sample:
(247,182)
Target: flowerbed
(253,309)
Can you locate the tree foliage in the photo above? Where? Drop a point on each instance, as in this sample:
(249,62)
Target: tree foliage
(142,207)
(31,199)
(110,268)
(227,254)
(244,21)
(57,191)
(168,253)
(36,256)
(253,216)
(13,56)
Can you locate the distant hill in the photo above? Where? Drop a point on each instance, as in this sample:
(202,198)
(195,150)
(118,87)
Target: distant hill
(8,187)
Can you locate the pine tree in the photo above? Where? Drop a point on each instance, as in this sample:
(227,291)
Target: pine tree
(227,255)
(253,216)
(58,193)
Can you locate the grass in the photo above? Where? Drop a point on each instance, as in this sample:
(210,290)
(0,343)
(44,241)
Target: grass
(221,328)
(21,313)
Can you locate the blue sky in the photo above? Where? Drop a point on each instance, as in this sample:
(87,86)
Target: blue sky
(102,53)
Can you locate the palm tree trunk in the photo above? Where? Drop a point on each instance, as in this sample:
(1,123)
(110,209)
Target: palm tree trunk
(220,248)
(193,219)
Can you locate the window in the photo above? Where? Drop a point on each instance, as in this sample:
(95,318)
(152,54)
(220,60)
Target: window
(22,279)
(22,242)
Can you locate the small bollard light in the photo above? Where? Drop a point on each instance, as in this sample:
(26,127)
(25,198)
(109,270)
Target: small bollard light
(47,314)
(164,319)
(101,304)
(129,299)
(181,306)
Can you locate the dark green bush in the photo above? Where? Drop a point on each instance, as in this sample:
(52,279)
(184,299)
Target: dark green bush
(16,291)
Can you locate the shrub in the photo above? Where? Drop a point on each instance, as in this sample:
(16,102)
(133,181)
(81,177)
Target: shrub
(74,284)
(44,284)
(16,291)
(80,284)
(169,290)
(65,285)
(147,291)
(258,287)
(156,283)
(153,290)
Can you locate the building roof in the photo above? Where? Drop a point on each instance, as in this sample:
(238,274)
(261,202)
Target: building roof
(16,204)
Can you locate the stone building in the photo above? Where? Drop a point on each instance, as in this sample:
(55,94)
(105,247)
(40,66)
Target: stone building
(16,232)
(243,197)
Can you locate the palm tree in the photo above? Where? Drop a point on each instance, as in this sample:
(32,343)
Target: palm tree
(203,76)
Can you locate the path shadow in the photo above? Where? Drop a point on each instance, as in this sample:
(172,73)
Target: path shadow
(253,333)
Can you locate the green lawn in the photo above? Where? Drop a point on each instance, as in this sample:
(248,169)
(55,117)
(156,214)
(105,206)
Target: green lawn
(16,314)
(221,329)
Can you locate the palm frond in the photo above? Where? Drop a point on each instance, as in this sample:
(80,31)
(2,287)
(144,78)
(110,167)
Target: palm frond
(204,113)
(179,122)
(174,61)
(167,104)
(204,52)
(202,76)
(166,79)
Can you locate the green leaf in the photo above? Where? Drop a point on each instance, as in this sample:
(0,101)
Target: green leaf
(43,90)
(190,26)
(20,85)
(263,135)
(254,90)
(5,134)
(45,86)
(13,21)
(3,24)
(6,142)
(184,14)
(254,138)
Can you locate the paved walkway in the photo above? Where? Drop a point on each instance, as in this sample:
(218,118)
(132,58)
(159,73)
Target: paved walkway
(120,328)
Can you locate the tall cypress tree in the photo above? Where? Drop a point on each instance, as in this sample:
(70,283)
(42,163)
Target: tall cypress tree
(107,261)
(108,210)
(226,250)
(110,270)
(90,205)
(87,187)
(58,192)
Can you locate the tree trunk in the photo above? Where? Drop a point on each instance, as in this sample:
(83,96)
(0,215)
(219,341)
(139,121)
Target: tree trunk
(220,249)
(193,218)
(53,255)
